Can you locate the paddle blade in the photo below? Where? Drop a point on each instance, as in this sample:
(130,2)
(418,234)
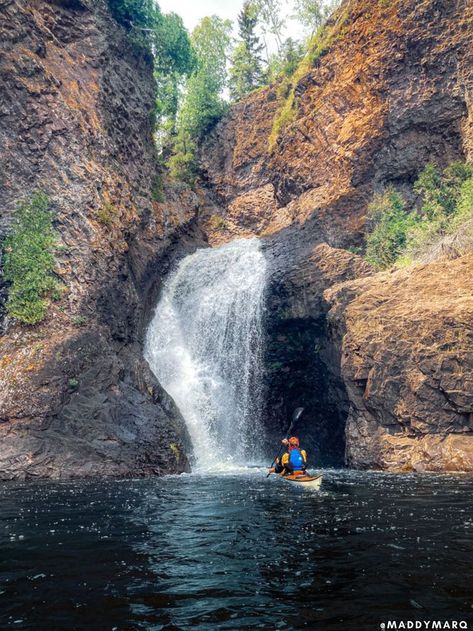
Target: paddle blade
(297,414)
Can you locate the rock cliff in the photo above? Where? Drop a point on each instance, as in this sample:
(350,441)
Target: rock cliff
(380,361)
(391,90)
(76,396)
(406,341)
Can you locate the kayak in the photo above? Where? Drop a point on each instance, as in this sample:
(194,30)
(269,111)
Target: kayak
(305,481)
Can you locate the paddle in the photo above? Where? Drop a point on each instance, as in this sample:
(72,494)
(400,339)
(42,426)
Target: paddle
(295,417)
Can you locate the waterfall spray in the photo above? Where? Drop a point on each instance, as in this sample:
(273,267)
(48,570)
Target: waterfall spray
(204,344)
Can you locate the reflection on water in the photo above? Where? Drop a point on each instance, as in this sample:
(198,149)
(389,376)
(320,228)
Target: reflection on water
(236,551)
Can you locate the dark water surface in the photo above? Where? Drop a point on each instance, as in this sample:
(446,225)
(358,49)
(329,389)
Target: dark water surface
(236,551)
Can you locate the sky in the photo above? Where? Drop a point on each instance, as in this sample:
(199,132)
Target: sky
(191,11)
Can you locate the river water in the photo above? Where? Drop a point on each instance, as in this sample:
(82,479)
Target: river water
(236,551)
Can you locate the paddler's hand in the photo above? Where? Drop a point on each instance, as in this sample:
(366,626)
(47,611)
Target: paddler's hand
(271,470)
(285,441)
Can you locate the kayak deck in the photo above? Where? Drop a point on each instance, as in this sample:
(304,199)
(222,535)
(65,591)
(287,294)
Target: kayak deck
(306,481)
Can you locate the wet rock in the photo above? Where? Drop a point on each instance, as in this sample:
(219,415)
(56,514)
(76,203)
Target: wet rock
(406,342)
(302,364)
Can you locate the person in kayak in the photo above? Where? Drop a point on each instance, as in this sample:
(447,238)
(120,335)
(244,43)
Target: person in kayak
(294,460)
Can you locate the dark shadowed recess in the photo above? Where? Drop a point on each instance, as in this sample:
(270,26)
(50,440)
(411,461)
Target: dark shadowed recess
(301,365)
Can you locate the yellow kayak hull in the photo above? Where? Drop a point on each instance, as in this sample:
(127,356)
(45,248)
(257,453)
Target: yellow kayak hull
(305,481)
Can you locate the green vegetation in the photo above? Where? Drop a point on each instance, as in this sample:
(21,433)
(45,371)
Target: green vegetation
(157,191)
(139,14)
(285,63)
(272,23)
(202,105)
(246,70)
(173,64)
(319,43)
(28,260)
(79,320)
(106,213)
(265,16)
(163,37)
(312,14)
(442,222)
(388,225)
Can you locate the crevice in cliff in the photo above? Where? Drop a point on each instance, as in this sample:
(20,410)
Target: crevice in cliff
(298,374)
(302,360)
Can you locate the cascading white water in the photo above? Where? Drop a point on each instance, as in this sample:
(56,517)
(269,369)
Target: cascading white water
(204,344)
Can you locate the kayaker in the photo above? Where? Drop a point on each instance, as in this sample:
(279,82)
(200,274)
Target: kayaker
(294,460)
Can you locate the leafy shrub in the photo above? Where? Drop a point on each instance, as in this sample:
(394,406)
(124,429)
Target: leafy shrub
(388,225)
(440,192)
(464,211)
(444,206)
(441,225)
(106,213)
(28,260)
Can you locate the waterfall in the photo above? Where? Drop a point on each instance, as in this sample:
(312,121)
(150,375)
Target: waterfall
(204,345)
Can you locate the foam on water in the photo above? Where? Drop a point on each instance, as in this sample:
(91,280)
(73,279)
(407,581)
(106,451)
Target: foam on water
(204,344)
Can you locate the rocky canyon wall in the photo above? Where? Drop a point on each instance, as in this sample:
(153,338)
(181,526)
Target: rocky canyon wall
(76,396)
(381,363)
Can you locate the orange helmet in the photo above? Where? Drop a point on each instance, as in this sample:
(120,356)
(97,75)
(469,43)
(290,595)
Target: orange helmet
(294,441)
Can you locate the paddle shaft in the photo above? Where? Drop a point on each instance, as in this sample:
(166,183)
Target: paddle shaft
(281,446)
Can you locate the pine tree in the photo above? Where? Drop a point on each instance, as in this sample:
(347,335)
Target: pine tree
(246,72)
(202,104)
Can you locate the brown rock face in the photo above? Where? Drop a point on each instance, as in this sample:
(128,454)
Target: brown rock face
(391,92)
(406,359)
(76,396)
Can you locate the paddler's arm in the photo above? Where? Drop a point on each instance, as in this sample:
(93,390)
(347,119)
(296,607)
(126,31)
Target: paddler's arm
(284,462)
(278,467)
(304,456)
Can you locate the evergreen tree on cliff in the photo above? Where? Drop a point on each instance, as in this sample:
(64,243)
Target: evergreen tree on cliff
(202,104)
(246,71)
